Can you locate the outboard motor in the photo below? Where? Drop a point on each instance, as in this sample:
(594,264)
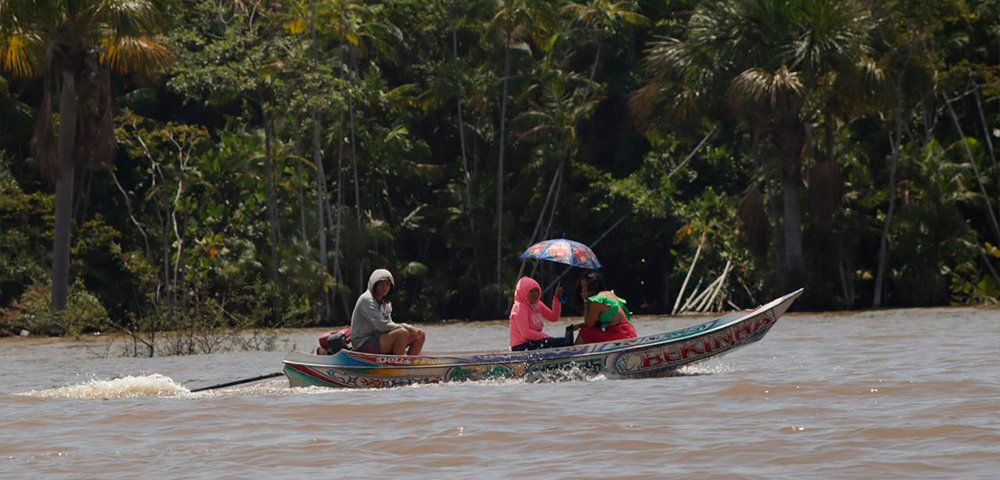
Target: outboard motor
(333,342)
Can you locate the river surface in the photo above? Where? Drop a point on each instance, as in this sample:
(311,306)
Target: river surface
(886,394)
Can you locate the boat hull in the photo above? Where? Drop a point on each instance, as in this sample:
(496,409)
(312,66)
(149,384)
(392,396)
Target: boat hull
(641,357)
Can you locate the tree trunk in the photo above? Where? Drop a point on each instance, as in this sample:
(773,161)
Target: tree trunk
(61,240)
(992,219)
(593,71)
(794,264)
(555,199)
(986,127)
(883,249)
(131,215)
(64,191)
(337,271)
(299,187)
(792,142)
(986,132)
(844,269)
(552,211)
(179,241)
(680,295)
(272,203)
(461,134)
(175,226)
(828,137)
(321,198)
(541,216)
(503,117)
(357,189)
(168,286)
(354,165)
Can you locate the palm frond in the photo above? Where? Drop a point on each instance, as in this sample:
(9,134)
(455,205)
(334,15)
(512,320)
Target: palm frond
(657,98)
(833,33)
(20,53)
(758,91)
(141,55)
(130,17)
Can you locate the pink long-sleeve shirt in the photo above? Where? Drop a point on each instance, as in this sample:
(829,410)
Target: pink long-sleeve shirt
(526,320)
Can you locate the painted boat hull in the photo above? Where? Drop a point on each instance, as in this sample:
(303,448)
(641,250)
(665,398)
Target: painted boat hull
(641,357)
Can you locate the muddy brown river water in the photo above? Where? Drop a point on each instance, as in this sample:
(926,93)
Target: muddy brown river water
(881,394)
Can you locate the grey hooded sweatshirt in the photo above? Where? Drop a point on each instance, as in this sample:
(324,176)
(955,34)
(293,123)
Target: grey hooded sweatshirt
(371,317)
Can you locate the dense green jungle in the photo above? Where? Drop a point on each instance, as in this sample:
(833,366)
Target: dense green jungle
(208,166)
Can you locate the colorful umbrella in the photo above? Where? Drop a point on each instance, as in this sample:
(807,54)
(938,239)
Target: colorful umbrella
(565,251)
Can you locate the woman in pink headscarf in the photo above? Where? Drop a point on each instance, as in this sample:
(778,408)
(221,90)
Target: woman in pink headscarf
(528,315)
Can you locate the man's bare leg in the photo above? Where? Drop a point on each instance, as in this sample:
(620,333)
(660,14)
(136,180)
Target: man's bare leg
(417,338)
(394,341)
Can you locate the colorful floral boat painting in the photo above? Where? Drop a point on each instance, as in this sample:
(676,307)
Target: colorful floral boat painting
(641,357)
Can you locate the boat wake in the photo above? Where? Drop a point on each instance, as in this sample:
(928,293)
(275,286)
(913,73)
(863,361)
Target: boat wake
(155,385)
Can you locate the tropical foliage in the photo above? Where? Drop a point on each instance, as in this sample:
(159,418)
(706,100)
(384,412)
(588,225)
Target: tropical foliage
(233,164)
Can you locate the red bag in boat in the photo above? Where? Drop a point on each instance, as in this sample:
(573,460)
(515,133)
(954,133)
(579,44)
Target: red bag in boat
(333,342)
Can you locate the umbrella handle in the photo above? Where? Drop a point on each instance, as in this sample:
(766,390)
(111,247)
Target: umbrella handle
(556,282)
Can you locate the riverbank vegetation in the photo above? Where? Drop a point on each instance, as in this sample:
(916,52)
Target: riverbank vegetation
(229,164)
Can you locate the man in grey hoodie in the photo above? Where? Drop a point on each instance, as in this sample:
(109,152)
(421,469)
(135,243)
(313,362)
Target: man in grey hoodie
(372,328)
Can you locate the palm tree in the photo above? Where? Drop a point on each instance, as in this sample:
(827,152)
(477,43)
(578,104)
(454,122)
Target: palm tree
(511,17)
(354,28)
(322,197)
(74,44)
(456,11)
(768,59)
(907,56)
(605,18)
(552,119)
(244,62)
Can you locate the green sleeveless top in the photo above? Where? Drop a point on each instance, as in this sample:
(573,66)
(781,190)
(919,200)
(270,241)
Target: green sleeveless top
(613,306)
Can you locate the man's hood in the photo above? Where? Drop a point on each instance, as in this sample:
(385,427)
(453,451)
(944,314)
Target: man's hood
(378,276)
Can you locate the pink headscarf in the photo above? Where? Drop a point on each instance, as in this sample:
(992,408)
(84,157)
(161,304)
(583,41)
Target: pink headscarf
(524,285)
(526,318)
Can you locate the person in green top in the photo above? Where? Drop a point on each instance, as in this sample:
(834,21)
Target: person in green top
(605,315)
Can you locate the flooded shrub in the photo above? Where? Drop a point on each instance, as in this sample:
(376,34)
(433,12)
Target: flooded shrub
(83,313)
(240,319)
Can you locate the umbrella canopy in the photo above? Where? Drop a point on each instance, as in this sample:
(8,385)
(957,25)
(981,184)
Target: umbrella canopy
(565,251)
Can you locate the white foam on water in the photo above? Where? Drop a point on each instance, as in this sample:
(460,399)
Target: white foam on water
(706,368)
(272,388)
(157,385)
(493,382)
(313,390)
(574,373)
(154,385)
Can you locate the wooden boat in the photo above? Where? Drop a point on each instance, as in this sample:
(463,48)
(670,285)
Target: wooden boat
(648,356)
